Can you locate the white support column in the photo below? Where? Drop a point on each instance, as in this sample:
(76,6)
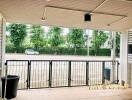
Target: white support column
(2,45)
(124,57)
(113,57)
(87,34)
(129,68)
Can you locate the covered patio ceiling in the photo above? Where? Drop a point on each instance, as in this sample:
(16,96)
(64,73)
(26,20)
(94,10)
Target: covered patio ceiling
(113,15)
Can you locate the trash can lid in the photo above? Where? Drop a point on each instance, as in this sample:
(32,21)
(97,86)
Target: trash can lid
(10,77)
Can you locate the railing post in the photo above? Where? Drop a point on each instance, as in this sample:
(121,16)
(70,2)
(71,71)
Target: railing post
(69,74)
(50,73)
(29,75)
(118,71)
(103,68)
(6,68)
(87,72)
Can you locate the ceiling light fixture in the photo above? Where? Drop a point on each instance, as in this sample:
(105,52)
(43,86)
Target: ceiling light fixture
(44,14)
(88,14)
(87,17)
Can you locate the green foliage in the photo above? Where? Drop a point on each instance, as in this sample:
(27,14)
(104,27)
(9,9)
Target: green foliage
(61,51)
(70,51)
(117,43)
(104,52)
(76,38)
(7,40)
(18,33)
(56,41)
(55,36)
(7,28)
(10,49)
(37,38)
(99,38)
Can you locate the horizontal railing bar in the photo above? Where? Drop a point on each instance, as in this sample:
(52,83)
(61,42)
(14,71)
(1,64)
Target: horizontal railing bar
(69,60)
(39,60)
(17,60)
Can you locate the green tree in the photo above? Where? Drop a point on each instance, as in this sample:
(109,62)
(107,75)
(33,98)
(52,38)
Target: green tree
(76,38)
(117,43)
(99,38)
(55,36)
(17,35)
(37,38)
(7,40)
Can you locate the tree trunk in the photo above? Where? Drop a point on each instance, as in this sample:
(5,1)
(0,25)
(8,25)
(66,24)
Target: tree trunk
(75,51)
(55,50)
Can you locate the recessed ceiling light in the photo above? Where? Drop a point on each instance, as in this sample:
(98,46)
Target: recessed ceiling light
(48,0)
(42,19)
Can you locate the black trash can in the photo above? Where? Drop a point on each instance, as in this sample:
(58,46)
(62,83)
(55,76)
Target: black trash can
(11,87)
(107,74)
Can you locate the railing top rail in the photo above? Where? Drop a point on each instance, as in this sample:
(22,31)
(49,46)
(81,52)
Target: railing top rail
(17,60)
(68,60)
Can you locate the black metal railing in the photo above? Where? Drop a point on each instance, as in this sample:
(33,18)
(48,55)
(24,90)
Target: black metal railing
(62,73)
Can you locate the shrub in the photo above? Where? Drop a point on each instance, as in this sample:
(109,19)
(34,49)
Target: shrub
(61,51)
(10,49)
(104,52)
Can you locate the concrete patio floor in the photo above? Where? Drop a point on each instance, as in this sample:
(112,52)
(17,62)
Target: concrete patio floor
(74,93)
